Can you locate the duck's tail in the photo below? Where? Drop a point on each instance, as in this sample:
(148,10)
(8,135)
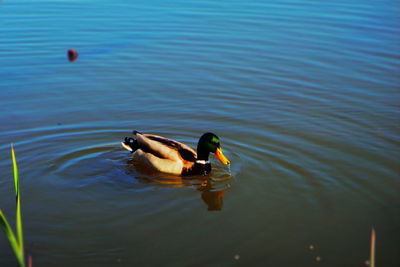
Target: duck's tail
(130,144)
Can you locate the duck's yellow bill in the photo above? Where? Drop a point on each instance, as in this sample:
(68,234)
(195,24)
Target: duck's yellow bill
(221,156)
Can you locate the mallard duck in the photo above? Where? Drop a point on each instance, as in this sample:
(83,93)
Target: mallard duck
(170,156)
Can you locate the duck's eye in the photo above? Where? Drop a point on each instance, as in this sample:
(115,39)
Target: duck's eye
(215,140)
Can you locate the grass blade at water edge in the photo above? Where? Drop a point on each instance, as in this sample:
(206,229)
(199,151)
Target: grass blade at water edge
(15,170)
(20,235)
(11,238)
(372,255)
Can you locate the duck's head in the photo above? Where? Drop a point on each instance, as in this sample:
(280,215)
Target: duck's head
(210,143)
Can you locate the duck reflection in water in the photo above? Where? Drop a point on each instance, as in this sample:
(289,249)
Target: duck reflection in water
(214,199)
(212,191)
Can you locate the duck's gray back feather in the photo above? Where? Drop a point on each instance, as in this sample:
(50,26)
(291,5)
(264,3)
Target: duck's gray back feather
(165,148)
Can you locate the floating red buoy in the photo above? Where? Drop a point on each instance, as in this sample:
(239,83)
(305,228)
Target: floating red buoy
(72,55)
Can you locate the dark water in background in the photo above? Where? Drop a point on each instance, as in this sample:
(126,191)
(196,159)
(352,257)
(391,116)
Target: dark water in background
(304,95)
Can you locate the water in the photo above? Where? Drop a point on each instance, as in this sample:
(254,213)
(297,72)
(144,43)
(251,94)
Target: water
(303,94)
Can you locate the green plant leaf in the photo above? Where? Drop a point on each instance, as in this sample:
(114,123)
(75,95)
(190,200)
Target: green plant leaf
(20,235)
(11,238)
(15,169)
(19,227)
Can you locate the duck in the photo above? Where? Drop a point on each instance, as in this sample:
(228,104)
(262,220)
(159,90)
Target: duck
(170,156)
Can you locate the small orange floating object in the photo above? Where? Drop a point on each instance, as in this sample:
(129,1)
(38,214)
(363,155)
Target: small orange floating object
(72,55)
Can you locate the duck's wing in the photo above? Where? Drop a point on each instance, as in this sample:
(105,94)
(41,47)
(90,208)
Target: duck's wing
(165,148)
(159,164)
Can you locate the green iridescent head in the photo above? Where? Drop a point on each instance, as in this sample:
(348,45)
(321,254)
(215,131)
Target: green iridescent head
(210,143)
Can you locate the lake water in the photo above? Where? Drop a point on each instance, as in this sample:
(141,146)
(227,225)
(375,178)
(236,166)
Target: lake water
(303,94)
